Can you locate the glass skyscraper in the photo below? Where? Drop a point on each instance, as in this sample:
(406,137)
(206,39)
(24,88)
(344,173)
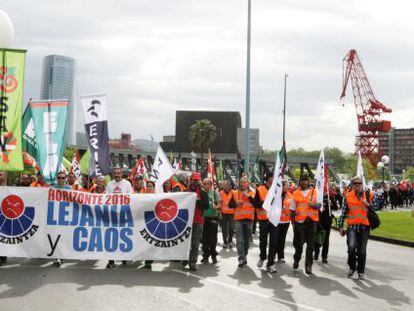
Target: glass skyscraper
(58,80)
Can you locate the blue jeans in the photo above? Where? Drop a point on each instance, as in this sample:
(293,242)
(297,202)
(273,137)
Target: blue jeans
(357,239)
(244,230)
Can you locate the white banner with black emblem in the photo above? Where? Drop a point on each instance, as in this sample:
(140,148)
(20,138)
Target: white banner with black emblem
(57,223)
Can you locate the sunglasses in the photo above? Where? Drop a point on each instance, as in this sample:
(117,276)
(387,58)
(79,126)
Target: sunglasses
(357,183)
(61,178)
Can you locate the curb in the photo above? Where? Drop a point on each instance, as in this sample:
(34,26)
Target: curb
(387,240)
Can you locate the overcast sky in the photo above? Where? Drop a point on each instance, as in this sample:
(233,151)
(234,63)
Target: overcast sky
(153,57)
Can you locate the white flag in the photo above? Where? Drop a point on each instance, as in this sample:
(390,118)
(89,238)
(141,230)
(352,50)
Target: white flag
(193,161)
(320,178)
(161,170)
(273,202)
(360,171)
(76,170)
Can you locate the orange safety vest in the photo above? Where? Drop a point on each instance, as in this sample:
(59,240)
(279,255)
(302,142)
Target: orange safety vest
(77,187)
(246,209)
(303,210)
(143,190)
(225,201)
(357,212)
(285,215)
(37,184)
(261,212)
(91,189)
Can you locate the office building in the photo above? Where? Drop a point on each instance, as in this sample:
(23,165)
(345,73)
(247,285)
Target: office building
(58,80)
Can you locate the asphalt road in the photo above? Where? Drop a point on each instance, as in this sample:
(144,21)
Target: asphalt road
(37,285)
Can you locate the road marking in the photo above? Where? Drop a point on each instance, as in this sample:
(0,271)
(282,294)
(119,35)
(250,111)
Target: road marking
(180,297)
(248,291)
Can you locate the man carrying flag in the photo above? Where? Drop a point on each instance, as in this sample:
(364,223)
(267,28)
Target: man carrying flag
(355,212)
(304,217)
(267,229)
(271,196)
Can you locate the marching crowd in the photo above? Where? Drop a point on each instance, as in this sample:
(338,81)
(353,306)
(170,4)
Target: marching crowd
(239,212)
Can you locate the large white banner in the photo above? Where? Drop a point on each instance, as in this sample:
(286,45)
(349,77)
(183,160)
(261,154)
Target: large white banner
(56,223)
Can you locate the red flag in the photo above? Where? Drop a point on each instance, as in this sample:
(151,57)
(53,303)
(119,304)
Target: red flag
(138,169)
(75,168)
(30,161)
(210,168)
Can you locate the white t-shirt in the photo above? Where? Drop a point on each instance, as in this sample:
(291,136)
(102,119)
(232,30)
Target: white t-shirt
(122,186)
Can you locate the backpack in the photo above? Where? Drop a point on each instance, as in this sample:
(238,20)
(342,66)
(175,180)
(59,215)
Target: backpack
(373,219)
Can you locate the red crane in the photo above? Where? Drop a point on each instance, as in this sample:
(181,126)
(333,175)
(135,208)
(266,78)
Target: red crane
(368,108)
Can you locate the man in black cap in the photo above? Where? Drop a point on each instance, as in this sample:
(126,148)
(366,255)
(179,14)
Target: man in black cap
(304,218)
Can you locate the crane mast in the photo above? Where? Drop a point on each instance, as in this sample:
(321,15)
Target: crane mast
(368,108)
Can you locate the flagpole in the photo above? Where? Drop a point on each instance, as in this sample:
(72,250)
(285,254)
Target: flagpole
(247,129)
(284,110)
(284,127)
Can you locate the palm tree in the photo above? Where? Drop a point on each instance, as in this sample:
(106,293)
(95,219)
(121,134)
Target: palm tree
(202,134)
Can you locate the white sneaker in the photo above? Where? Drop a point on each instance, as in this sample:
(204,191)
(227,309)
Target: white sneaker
(271,269)
(362,276)
(351,273)
(260,263)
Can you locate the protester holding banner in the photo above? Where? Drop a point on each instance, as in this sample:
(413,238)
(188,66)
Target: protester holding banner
(3,183)
(211,219)
(267,235)
(227,214)
(167,186)
(100,185)
(61,184)
(139,184)
(150,187)
(118,185)
(40,181)
(304,218)
(87,184)
(243,218)
(25,180)
(355,212)
(198,221)
(283,226)
(73,183)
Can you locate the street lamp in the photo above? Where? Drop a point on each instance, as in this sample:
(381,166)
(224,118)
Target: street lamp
(6,30)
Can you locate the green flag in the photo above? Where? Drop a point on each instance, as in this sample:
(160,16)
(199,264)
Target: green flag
(12,64)
(283,159)
(29,137)
(84,162)
(255,176)
(49,119)
(220,174)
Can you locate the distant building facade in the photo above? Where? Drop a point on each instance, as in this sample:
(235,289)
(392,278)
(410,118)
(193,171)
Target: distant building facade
(58,80)
(123,143)
(255,147)
(398,144)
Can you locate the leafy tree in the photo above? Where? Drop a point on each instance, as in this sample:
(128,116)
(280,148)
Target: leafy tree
(202,135)
(69,153)
(409,173)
